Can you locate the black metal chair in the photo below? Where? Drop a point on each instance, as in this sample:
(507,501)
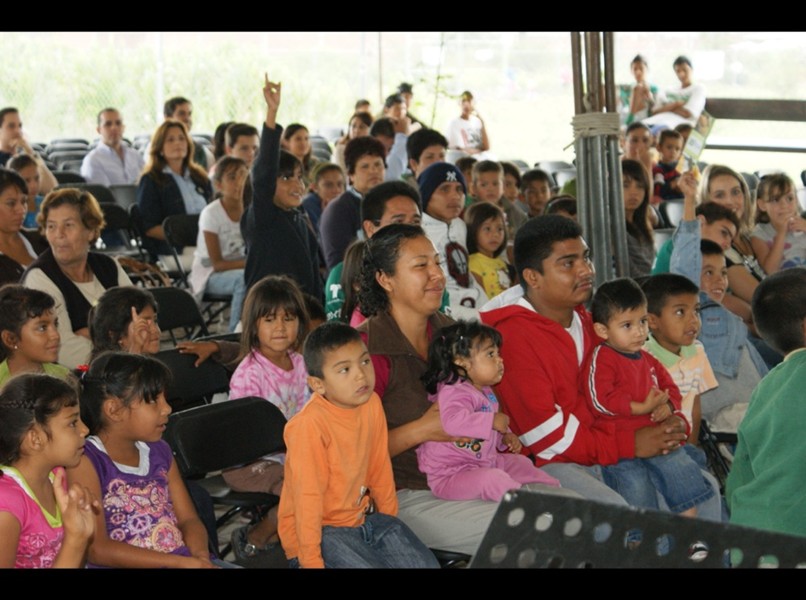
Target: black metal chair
(224,435)
(118,221)
(178,309)
(531,530)
(68,177)
(183,230)
(192,386)
(125,194)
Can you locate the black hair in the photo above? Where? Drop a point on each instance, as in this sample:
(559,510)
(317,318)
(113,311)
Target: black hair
(615,296)
(636,125)
(713,212)
(26,400)
(393,99)
(9,177)
(711,248)
(288,164)
(362,146)
(172,103)
(535,239)
(465,162)
(220,139)
(5,111)
(459,339)
(361,102)
(640,59)
(512,169)
(487,166)
(669,133)
(534,175)
(122,375)
(314,308)
(779,308)
(18,305)
(236,130)
(422,139)
(640,226)
(475,216)
(225,164)
(382,126)
(563,203)
(109,319)
(351,278)
(659,288)
(682,60)
(373,205)
(326,338)
(380,256)
(265,298)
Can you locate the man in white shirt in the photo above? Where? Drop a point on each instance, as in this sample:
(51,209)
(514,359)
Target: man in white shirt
(112,162)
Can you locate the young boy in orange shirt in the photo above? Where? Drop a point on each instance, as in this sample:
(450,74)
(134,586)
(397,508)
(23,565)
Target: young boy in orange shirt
(338,504)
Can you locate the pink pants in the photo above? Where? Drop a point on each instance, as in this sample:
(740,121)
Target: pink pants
(511,471)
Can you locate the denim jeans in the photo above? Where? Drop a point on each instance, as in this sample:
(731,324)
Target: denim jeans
(586,481)
(229,282)
(676,476)
(383,542)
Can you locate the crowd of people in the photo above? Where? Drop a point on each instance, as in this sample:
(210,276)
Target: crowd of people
(431,330)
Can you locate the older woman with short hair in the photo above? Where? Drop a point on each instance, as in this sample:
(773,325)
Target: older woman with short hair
(68,271)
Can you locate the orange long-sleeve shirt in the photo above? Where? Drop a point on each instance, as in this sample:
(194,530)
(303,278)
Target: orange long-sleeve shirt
(336,459)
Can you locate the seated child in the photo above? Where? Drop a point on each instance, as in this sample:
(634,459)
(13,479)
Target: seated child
(512,185)
(28,169)
(327,184)
(625,384)
(779,237)
(673,306)
(148,519)
(562,205)
(42,523)
(664,173)
(29,334)
(486,241)
(465,165)
(463,364)
(535,191)
(736,363)
(488,186)
(338,507)
(765,485)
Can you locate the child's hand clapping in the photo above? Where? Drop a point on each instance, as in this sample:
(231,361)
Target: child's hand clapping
(661,413)
(76,506)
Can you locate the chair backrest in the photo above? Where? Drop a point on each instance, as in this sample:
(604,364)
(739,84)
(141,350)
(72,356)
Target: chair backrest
(191,385)
(672,212)
(102,193)
(531,530)
(181,230)
(125,194)
(63,177)
(71,165)
(225,434)
(178,308)
(59,156)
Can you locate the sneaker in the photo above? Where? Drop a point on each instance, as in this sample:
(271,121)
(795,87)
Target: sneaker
(241,546)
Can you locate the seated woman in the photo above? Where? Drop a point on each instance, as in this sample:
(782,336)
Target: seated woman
(27,167)
(358,126)
(68,271)
(171,184)
(18,247)
(296,141)
(401,292)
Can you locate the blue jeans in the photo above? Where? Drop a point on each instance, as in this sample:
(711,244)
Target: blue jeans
(586,481)
(229,282)
(675,476)
(382,542)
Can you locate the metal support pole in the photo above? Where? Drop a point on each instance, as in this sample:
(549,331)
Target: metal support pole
(576,66)
(618,228)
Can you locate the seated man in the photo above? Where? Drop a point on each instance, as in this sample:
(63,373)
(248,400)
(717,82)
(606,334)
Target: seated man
(547,332)
(12,141)
(112,162)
